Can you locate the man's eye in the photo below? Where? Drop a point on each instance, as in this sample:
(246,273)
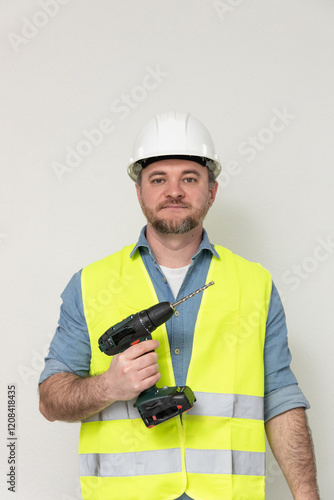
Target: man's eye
(157,181)
(189,180)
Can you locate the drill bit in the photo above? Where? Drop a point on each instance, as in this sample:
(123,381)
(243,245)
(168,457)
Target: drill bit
(193,293)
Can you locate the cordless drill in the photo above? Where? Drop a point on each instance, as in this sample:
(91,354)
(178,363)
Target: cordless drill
(155,405)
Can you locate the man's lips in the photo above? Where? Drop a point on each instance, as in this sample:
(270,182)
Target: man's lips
(173,205)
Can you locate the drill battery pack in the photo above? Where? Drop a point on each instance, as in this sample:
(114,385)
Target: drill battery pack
(156,405)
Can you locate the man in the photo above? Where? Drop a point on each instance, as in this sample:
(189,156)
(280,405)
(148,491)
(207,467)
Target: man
(228,344)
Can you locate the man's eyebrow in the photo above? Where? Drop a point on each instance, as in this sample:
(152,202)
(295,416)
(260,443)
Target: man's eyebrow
(195,172)
(156,172)
(184,172)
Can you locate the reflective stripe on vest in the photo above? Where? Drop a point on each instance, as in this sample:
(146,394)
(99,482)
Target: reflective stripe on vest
(169,461)
(218,449)
(131,463)
(207,404)
(117,411)
(228,405)
(225,462)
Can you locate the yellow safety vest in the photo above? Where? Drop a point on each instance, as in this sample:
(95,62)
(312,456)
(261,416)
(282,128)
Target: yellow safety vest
(217,450)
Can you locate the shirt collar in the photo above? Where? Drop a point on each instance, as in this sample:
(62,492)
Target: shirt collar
(205,245)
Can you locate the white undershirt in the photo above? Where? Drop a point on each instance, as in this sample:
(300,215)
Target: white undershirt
(175,277)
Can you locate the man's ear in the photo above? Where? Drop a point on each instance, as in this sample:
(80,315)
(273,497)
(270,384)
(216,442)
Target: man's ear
(138,192)
(213,193)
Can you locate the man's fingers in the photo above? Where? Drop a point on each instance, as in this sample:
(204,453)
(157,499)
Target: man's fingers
(135,369)
(143,362)
(148,371)
(149,381)
(141,348)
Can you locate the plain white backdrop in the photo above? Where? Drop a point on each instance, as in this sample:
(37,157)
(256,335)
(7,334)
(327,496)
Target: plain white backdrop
(78,81)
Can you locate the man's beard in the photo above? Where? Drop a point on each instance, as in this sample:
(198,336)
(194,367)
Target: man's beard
(177,225)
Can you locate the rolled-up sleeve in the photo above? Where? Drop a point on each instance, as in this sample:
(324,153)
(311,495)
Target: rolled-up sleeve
(70,349)
(282,392)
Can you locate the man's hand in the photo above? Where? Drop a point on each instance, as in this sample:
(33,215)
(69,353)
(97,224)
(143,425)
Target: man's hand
(132,371)
(70,398)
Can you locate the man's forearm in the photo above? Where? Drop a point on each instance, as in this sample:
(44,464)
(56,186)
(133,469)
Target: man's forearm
(71,398)
(290,440)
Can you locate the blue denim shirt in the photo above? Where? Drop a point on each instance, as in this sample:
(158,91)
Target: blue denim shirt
(70,348)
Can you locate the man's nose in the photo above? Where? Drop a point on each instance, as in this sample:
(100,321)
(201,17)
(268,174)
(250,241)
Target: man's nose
(174,189)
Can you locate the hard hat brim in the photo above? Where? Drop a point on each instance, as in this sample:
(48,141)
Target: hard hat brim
(135,167)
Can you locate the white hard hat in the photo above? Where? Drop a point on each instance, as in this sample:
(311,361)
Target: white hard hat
(173,135)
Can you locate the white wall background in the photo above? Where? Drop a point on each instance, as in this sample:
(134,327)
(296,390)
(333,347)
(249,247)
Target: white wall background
(70,66)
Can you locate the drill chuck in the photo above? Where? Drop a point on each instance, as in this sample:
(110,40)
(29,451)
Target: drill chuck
(160,313)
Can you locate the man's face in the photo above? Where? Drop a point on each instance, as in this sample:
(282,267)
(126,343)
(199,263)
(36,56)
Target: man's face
(175,195)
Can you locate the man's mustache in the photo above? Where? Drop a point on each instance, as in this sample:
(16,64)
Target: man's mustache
(173,202)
